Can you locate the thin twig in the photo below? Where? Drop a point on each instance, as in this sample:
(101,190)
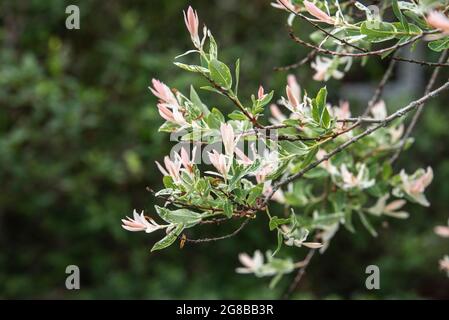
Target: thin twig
(380,88)
(235,100)
(284,126)
(312,54)
(329,34)
(416,116)
(401,112)
(214,221)
(299,275)
(377,53)
(351,54)
(222,237)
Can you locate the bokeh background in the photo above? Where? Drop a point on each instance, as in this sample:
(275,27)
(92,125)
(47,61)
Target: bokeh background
(78,141)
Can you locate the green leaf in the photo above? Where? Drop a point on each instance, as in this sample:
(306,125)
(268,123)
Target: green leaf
(275,280)
(237,115)
(413,30)
(228,209)
(211,89)
(439,45)
(292,122)
(378,31)
(321,97)
(241,171)
(267,99)
(319,110)
(220,74)
(387,171)
(213,48)
(215,119)
(416,18)
(369,14)
(399,15)
(279,170)
(310,157)
(169,238)
(379,189)
(191,68)
(168,182)
(294,148)
(280,239)
(275,222)
(181,216)
(338,200)
(348,221)
(254,194)
(197,101)
(367,224)
(237,76)
(327,219)
(168,127)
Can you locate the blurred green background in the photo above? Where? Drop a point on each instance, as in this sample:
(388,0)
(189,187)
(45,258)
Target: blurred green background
(78,141)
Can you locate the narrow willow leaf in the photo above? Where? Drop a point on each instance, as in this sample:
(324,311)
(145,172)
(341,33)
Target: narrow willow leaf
(348,221)
(275,222)
(220,74)
(237,115)
(416,18)
(367,224)
(181,216)
(237,76)
(215,119)
(254,194)
(212,89)
(399,15)
(169,238)
(197,101)
(310,157)
(378,31)
(439,45)
(367,11)
(186,53)
(168,182)
(228,209)
(327,219)
(387,53)
(294,148)
(280,239)
(242,172)
(168,127)
(275,280)
(319,110)
(213,48)
(279,170)
(191,68)
(267,99)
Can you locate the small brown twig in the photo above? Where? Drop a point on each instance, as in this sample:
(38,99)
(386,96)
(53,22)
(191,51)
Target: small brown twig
(240,228)
(380,88)
(351,54)
(312,54)
(416,116)
(377,53)
(299,275)
(234,100)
